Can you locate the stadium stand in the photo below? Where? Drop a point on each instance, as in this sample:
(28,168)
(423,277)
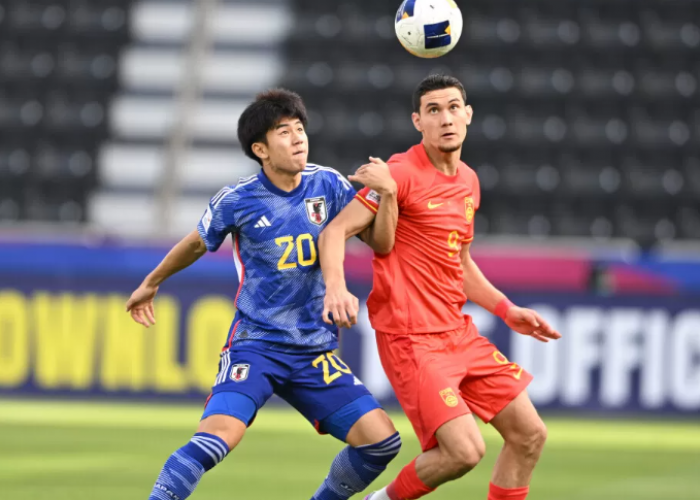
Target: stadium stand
(235,64)
(587,115)
(58,71)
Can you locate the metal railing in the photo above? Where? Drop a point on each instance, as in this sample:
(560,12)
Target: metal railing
(186,101)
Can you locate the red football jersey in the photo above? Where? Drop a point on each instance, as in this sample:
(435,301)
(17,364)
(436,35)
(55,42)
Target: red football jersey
(418,287)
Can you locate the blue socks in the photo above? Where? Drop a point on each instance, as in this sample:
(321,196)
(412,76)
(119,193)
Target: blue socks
(351,472)
(183,470)
(355,468)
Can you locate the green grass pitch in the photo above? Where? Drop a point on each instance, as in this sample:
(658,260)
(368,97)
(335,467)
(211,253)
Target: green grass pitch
(86,451)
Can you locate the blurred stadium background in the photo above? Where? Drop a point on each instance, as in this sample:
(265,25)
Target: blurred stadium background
(118,122)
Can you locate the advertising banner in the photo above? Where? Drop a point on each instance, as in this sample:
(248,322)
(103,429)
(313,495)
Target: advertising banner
(71,336)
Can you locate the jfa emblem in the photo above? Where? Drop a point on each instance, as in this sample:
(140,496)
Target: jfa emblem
(448,396)
(239,372)
(469,208)
(316,210)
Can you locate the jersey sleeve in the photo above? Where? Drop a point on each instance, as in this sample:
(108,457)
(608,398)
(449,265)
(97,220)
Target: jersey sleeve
(218,219)
(344,192)
(370,198)
(472,205)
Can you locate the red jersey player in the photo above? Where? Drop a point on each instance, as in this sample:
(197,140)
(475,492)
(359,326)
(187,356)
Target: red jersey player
(441,369)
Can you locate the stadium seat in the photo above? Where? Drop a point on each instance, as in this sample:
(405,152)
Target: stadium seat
(58,70)
(585,112)
(587,103)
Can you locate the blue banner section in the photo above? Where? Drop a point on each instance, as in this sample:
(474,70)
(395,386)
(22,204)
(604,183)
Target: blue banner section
(70,335)
(74,336)
(106,259)
(508,267)
(632,354)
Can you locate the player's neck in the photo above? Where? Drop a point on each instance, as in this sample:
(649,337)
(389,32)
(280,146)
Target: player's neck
(282,180)
(447,163)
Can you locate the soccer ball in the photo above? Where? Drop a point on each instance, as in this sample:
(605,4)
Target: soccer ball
(428,28)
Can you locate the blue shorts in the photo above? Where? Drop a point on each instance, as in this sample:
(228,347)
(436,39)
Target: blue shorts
(320,386)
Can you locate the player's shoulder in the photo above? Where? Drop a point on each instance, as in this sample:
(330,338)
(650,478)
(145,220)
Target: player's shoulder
(248,183)
(233,192)
(468,173)
(401,159)
(319,173)
(405,166)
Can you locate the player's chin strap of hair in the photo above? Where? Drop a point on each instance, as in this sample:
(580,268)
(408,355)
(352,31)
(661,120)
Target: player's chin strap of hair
(502,308)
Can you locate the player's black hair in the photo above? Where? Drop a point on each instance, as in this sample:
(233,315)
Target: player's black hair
(436,82)
(264,114)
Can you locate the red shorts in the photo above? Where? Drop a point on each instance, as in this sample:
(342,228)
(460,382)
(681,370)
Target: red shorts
(440,376)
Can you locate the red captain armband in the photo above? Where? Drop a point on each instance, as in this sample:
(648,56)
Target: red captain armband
(369,198)
(502,308)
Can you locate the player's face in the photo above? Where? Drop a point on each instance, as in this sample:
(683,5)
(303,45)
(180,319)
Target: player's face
(287,147)
(443,119)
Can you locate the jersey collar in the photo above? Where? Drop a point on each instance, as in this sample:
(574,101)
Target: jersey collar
(279,192)
(424,159)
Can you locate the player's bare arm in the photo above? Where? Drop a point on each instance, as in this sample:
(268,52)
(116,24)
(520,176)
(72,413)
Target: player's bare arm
(380,235)
(185,253)
(331,249)
(480,291)
(355,218)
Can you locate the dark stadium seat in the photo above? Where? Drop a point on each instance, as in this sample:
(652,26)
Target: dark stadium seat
(103,18)
(688,221)
(89,67)
(58,71)
(579,102)
(15,164)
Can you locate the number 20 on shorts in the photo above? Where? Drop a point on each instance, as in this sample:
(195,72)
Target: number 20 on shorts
(502,360)
(328,360)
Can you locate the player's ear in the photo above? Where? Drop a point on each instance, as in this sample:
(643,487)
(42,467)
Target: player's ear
(260,150)
(470,113)
(416,122)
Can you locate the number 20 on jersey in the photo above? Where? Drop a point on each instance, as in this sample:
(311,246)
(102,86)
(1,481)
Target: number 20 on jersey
(303,259)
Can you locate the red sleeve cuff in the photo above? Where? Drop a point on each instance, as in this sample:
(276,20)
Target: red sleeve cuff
(369,199)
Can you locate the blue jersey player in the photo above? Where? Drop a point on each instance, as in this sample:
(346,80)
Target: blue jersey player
(278,342)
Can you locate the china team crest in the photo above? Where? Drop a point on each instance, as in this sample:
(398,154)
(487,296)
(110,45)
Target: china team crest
(449,397)
(316,210)
(239,372)
(469,208)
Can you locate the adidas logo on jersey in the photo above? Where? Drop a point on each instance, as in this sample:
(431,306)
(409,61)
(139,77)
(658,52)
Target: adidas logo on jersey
(263,222)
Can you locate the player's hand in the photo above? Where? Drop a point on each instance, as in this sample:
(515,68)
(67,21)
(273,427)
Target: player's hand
(375,175)
(343,305)
(528,322)
(140,305)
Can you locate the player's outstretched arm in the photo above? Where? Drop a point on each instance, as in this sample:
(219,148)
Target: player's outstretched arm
(331,250)
(380,235)
(183,254)
(482,292)
(352,220)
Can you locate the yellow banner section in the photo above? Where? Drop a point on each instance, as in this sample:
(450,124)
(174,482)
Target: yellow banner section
(88,342)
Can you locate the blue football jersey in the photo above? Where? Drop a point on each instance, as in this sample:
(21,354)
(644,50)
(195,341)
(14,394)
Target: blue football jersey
(281,290)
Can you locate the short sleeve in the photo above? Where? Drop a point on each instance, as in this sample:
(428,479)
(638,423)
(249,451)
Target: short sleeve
(370,198)
(218,219)
(344,192)
(476,191)
(472,205)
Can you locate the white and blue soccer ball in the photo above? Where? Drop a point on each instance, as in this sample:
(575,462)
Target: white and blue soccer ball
(428,28)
